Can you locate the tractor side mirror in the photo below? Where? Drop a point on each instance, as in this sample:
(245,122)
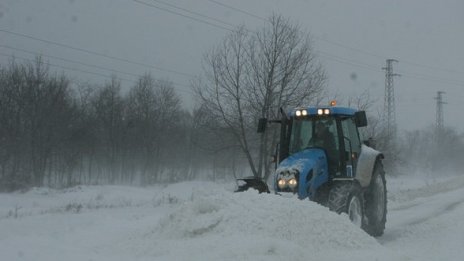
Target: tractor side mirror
(360,118)
(262,125)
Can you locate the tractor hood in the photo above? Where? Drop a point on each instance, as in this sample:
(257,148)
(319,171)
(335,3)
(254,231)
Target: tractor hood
(308,167)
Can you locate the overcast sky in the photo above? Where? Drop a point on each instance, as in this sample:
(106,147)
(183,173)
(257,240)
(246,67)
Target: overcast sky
(352,40)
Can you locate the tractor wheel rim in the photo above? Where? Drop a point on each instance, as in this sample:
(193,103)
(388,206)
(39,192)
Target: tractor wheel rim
(354,211)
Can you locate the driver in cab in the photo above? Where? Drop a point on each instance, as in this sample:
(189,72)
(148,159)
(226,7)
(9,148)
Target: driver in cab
(323,138)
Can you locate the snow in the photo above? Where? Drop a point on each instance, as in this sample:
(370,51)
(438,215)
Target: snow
(426,222)
(207,221)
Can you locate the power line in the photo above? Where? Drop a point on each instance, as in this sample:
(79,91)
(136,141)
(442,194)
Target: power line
(183,15)
(64,67)
(80,63)
(350,48)
(91,73)
(320,38)
(340,44)
(405,74)
(68,60)
(195,13)
(340,59)
(238,10)
(324,54)
(432,79)
(384,57)
(94,53)
(330,56)
(431,67)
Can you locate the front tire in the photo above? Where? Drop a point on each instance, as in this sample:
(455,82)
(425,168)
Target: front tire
(376,203)
(346,197)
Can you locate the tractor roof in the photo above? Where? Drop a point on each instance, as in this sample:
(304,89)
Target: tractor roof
(328,110)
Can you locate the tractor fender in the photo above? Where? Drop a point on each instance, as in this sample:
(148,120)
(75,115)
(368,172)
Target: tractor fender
(366,164)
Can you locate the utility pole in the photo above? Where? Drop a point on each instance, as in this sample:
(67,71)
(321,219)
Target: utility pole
(440,119)
(389,116)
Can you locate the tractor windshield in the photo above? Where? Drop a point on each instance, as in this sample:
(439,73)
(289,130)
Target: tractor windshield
(310,132)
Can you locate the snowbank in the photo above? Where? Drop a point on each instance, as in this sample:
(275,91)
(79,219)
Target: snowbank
(186,221)
(215,224)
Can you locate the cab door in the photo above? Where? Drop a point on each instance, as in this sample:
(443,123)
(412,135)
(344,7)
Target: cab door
(352,145)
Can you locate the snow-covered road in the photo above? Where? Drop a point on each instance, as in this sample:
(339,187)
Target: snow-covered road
(427,223)
(206,221)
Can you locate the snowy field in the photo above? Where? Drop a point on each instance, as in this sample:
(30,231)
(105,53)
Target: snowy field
(206,221)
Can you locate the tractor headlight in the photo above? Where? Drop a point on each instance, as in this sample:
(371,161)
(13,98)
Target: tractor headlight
(281,183)
(287,179)
(292,183)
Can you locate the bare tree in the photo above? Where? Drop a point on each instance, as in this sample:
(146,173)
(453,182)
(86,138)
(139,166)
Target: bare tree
(251,75)
(13,173)
(362,102)
(152,112)
(36,110)
(109,107)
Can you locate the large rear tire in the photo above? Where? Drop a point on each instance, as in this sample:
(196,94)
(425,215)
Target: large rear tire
(376,203)
(346,197)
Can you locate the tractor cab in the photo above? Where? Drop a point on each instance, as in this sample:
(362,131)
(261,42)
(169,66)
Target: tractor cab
(333,129)
(317,146)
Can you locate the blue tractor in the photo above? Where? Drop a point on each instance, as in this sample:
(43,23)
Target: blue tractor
(321,158)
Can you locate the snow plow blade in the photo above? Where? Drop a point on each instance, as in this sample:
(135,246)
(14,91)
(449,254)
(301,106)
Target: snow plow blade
(252,182)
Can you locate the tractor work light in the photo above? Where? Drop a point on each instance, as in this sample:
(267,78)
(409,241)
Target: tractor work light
(323,111)
(300,113)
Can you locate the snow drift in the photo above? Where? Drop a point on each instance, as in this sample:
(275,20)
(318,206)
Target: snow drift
(186,221)
(215,224)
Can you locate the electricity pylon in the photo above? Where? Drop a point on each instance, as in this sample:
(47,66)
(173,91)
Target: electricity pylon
(389,116)
(440,119)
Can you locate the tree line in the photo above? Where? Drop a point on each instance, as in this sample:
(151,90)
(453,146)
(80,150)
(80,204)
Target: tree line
(56,133)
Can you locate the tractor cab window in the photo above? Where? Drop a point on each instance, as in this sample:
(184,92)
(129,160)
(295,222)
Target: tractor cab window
(320,132)
(300,135)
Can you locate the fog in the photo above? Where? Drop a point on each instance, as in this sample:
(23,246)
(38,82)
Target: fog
(352,40)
